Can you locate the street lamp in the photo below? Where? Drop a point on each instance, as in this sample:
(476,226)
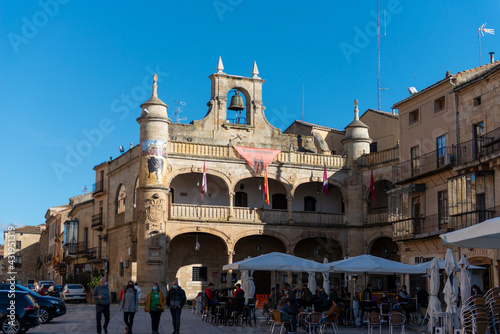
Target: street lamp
(99,234)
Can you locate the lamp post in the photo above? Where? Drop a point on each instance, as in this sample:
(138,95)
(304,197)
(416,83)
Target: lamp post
(99,234)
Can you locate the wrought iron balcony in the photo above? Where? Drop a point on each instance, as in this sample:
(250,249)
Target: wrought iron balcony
(82,247)
(97,220)
(71,249)
(470,218)
(480,147)
(411,227)
(426,164)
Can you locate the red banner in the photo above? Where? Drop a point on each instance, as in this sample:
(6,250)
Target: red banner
(257,158)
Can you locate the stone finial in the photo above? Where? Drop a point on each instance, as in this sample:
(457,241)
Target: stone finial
(155,86)
(220,67)
(255,70)
(356,110)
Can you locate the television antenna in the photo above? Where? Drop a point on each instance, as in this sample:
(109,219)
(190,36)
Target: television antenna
(178,110)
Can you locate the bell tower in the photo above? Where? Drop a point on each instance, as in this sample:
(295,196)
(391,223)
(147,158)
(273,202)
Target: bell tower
(152,192)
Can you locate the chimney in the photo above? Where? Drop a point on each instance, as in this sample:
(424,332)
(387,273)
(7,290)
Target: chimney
(448,74)
(492,57)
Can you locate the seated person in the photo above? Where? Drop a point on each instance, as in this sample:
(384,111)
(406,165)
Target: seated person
(403,299)
(285,310)
(331,313)
(209,294)
(238,293)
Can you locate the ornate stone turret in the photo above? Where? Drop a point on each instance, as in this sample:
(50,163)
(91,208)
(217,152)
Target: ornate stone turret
(152,192)
(357,139)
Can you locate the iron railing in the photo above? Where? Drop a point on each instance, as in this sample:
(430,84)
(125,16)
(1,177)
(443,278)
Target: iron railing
(480,147)
(97,220)
(470,218)
(72,248)
(425,164)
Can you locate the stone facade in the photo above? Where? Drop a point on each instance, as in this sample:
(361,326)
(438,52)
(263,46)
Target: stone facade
(22,243)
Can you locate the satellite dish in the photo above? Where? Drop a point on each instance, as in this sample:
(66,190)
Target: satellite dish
(121,149)
(146,111)
(412,90)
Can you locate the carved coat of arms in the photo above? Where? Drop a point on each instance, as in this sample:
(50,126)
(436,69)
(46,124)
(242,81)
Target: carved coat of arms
(154,209)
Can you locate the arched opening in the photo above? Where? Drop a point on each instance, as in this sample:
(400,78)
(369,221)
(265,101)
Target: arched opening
(253,187)
(331,203)
(237,107)
(195,266)
(188,190)
(386,248)
(253,246)
(135,191)
(317,249)
(120,199)
(381,201)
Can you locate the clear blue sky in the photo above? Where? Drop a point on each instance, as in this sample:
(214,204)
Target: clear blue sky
(67,66)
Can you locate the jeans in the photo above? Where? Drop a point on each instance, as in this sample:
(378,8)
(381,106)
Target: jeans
(155,320)
(128,318)
(102,309)
(176,318)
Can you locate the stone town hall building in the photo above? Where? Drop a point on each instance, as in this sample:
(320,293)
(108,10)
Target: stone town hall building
(147,221)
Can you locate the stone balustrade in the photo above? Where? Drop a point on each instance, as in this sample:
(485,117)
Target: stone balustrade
(222,213)
(227,152)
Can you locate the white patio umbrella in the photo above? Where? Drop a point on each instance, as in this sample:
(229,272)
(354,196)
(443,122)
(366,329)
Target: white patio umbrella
(485,235)
(277,261)
(250,291)
(427,265)
(465,278)
(311,281)
(369,264)
(326,281)
(451,287)
(434,303)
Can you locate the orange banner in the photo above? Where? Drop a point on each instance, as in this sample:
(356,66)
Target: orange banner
(257,158)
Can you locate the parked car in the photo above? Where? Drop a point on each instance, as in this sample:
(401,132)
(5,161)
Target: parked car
(50,307)
(26,312)
(74,292)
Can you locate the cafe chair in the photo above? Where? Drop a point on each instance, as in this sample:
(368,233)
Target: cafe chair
(313,321)
(276,321)
(396,320)
(374,320)
(332,322)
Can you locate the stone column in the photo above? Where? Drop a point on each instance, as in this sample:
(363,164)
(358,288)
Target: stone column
(231,208)
(230,254)
(290,207)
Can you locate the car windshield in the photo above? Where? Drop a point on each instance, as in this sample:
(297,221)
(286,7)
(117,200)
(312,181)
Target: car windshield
(75,286)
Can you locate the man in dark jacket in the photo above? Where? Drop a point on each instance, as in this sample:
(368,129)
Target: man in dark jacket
(176,299)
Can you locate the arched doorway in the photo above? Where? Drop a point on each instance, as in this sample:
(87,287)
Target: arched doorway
(254,246)
(386,248)
(317,249)
(196,259)
(250,191)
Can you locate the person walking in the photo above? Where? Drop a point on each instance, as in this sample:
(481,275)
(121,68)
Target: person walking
(155,305)
(129,305)
(102,300)
(176,299)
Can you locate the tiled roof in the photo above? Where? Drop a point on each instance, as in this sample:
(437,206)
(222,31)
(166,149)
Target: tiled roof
(31,229)
(380,112)
(318,126)
(476,78)
(460,78)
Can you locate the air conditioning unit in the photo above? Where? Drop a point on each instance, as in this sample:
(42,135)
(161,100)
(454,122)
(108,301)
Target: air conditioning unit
(445,160)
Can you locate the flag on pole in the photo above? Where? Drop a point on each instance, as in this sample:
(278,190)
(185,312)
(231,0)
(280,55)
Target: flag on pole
(325,183)
(372,187)
(482,29)
(204,182)
(266,187)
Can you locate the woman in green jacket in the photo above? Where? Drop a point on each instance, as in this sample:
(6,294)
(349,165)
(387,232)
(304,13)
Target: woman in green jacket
(155,305)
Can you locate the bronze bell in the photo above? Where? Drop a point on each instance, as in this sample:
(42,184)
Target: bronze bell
(236,102)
